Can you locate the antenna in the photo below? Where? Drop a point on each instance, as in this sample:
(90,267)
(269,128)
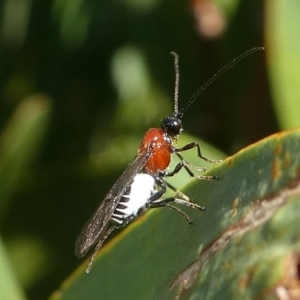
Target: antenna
(176,65)
(208,82)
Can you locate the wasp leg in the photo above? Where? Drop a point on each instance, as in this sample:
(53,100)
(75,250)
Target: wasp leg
(193,145)
(98,246)
(164,203)
(177,191)
(200,169)
(188,203)
(163,184)
(158,194)
(184,164)
(155,201)
(185,201)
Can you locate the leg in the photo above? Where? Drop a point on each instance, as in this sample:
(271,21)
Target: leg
(177,191)
(193,145)
(154,201)
(200,169)
(186,164)
(163,184)
(161,202)
(165,204)
(98,246)
(158,194)
(183,164)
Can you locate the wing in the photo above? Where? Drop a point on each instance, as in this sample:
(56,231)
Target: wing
(96,226)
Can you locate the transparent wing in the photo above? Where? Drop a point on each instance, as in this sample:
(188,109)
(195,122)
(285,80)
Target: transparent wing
(96,226)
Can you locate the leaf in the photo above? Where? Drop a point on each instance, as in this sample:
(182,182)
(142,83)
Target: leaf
(242,247)
(283,48)
(9,286)
(19,145)
(20,142)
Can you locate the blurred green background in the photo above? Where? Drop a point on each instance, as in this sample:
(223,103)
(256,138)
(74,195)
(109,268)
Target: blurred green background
(82,80)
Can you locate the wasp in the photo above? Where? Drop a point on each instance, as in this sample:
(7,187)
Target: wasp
(143,183)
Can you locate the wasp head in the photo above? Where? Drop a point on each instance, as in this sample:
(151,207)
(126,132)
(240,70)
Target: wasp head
(171,126)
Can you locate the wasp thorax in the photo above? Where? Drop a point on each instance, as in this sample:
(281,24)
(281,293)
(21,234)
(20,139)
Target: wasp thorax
(171,125)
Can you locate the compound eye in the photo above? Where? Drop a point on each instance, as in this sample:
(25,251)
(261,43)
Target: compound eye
(171,125)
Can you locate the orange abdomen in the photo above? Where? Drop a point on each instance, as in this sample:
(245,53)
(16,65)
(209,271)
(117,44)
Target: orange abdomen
(160,158)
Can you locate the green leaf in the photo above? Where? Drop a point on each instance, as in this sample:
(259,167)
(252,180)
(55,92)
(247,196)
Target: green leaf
(9,286)
(20,143)
(283,47)
(245,246)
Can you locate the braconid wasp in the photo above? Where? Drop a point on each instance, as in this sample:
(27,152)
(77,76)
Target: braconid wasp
(143,184)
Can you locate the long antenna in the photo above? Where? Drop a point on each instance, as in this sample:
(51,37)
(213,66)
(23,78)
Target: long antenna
(176,65)
(210,81)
